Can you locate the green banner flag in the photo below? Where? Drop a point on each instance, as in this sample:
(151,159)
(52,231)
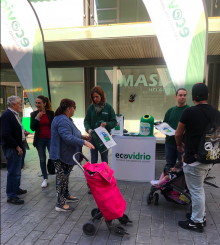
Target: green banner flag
(22,40)
(181,27)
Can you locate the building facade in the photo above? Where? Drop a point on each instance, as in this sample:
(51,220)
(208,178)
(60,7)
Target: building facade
(111,44)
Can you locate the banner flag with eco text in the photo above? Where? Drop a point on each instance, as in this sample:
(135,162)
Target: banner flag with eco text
(181,27)
(22,41)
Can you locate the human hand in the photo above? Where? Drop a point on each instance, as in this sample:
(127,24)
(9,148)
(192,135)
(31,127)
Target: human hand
(180,148)
(87,144)
(26,133)
(86,137)
(103,124)
(90,131)
(20,151)
(40,114)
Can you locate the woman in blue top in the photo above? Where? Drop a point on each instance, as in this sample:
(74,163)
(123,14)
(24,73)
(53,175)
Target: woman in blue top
(66,140)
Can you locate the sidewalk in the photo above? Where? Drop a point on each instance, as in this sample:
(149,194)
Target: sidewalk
(37,222)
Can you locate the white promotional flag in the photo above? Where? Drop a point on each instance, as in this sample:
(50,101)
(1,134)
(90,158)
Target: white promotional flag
(181,27)
(22,41)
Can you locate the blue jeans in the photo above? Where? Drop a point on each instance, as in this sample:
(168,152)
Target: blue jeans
(195,176)
(94,154)
(14,163)
(171,154)
(42,144)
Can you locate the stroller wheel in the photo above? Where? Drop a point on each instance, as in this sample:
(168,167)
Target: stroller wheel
(155,198)
(148,199)
(94,212)
(89,228)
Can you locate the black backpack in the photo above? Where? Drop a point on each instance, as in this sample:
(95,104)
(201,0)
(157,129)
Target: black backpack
(209,145)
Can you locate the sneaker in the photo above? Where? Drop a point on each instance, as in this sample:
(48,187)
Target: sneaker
(190,225)
(72,199)
(188,216)
(59,208)
(154,182)
(44,184)
(20,191)
(16,201)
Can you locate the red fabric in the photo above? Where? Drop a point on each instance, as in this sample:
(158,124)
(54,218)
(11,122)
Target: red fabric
(105,191)
(44,127)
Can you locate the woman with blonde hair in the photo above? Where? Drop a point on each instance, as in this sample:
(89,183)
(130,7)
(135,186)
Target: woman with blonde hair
(41,121)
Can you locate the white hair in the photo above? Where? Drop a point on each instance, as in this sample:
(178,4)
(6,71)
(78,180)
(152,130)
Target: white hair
(13,100)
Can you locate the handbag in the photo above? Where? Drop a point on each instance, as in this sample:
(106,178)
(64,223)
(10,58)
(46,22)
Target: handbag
(50,167)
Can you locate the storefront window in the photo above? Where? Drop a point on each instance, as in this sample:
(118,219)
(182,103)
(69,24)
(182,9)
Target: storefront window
(68,83)
(144,90)
(105,80)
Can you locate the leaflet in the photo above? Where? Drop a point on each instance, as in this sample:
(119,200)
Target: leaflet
(166,129)
(105,137)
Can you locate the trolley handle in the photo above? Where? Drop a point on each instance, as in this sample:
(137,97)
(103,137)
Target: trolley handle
(74,158)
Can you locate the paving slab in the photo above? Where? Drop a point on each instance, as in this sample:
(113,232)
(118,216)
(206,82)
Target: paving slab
(37,222)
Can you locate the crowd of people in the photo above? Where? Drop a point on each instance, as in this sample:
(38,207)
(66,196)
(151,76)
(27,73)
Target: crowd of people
(58,133)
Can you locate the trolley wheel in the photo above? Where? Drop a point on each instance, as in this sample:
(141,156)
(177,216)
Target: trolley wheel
(155,198)
(89,228)
(120,230)
(148,199)
(94,211)
(124,219)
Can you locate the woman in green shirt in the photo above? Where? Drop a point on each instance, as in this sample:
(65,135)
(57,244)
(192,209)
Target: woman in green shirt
(98,114)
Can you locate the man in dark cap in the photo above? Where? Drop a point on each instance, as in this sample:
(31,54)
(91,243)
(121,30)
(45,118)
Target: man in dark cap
(195,120)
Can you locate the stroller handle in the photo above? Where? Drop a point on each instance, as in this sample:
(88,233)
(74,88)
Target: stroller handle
(74,158)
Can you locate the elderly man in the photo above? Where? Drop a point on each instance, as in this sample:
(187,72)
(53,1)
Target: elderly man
(12,135)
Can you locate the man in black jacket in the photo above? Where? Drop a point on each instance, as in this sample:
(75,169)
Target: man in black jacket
(12,134)
(195,120)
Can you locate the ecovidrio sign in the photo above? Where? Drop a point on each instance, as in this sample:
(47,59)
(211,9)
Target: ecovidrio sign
(22,41)
(181,27)
(133,158)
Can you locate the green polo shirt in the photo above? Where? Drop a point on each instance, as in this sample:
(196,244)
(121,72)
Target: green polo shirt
(172,117)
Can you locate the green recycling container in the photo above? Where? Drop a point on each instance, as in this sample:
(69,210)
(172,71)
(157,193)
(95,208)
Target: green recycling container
(146,126)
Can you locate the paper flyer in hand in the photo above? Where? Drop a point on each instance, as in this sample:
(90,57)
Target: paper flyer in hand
(165,129)
(105,137)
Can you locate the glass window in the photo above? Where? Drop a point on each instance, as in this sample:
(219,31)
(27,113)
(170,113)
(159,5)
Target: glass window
(68,83)
(144,90)
(105,80)
(8,75)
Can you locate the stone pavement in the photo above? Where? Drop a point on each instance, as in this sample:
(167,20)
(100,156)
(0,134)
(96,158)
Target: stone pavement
(37,222)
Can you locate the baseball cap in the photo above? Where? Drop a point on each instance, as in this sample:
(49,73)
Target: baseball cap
(200,92)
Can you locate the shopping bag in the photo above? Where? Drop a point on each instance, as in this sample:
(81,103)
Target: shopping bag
(50,167)
(105,191)
(105,137)
(98,143)
(118,129)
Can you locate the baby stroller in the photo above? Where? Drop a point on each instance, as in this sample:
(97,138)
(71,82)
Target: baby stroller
(111,204)
(174,190)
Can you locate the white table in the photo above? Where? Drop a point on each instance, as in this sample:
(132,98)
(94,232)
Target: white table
(133,158)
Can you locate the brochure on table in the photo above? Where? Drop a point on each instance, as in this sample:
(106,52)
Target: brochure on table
(118,129)
(105,137)
(166,129)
